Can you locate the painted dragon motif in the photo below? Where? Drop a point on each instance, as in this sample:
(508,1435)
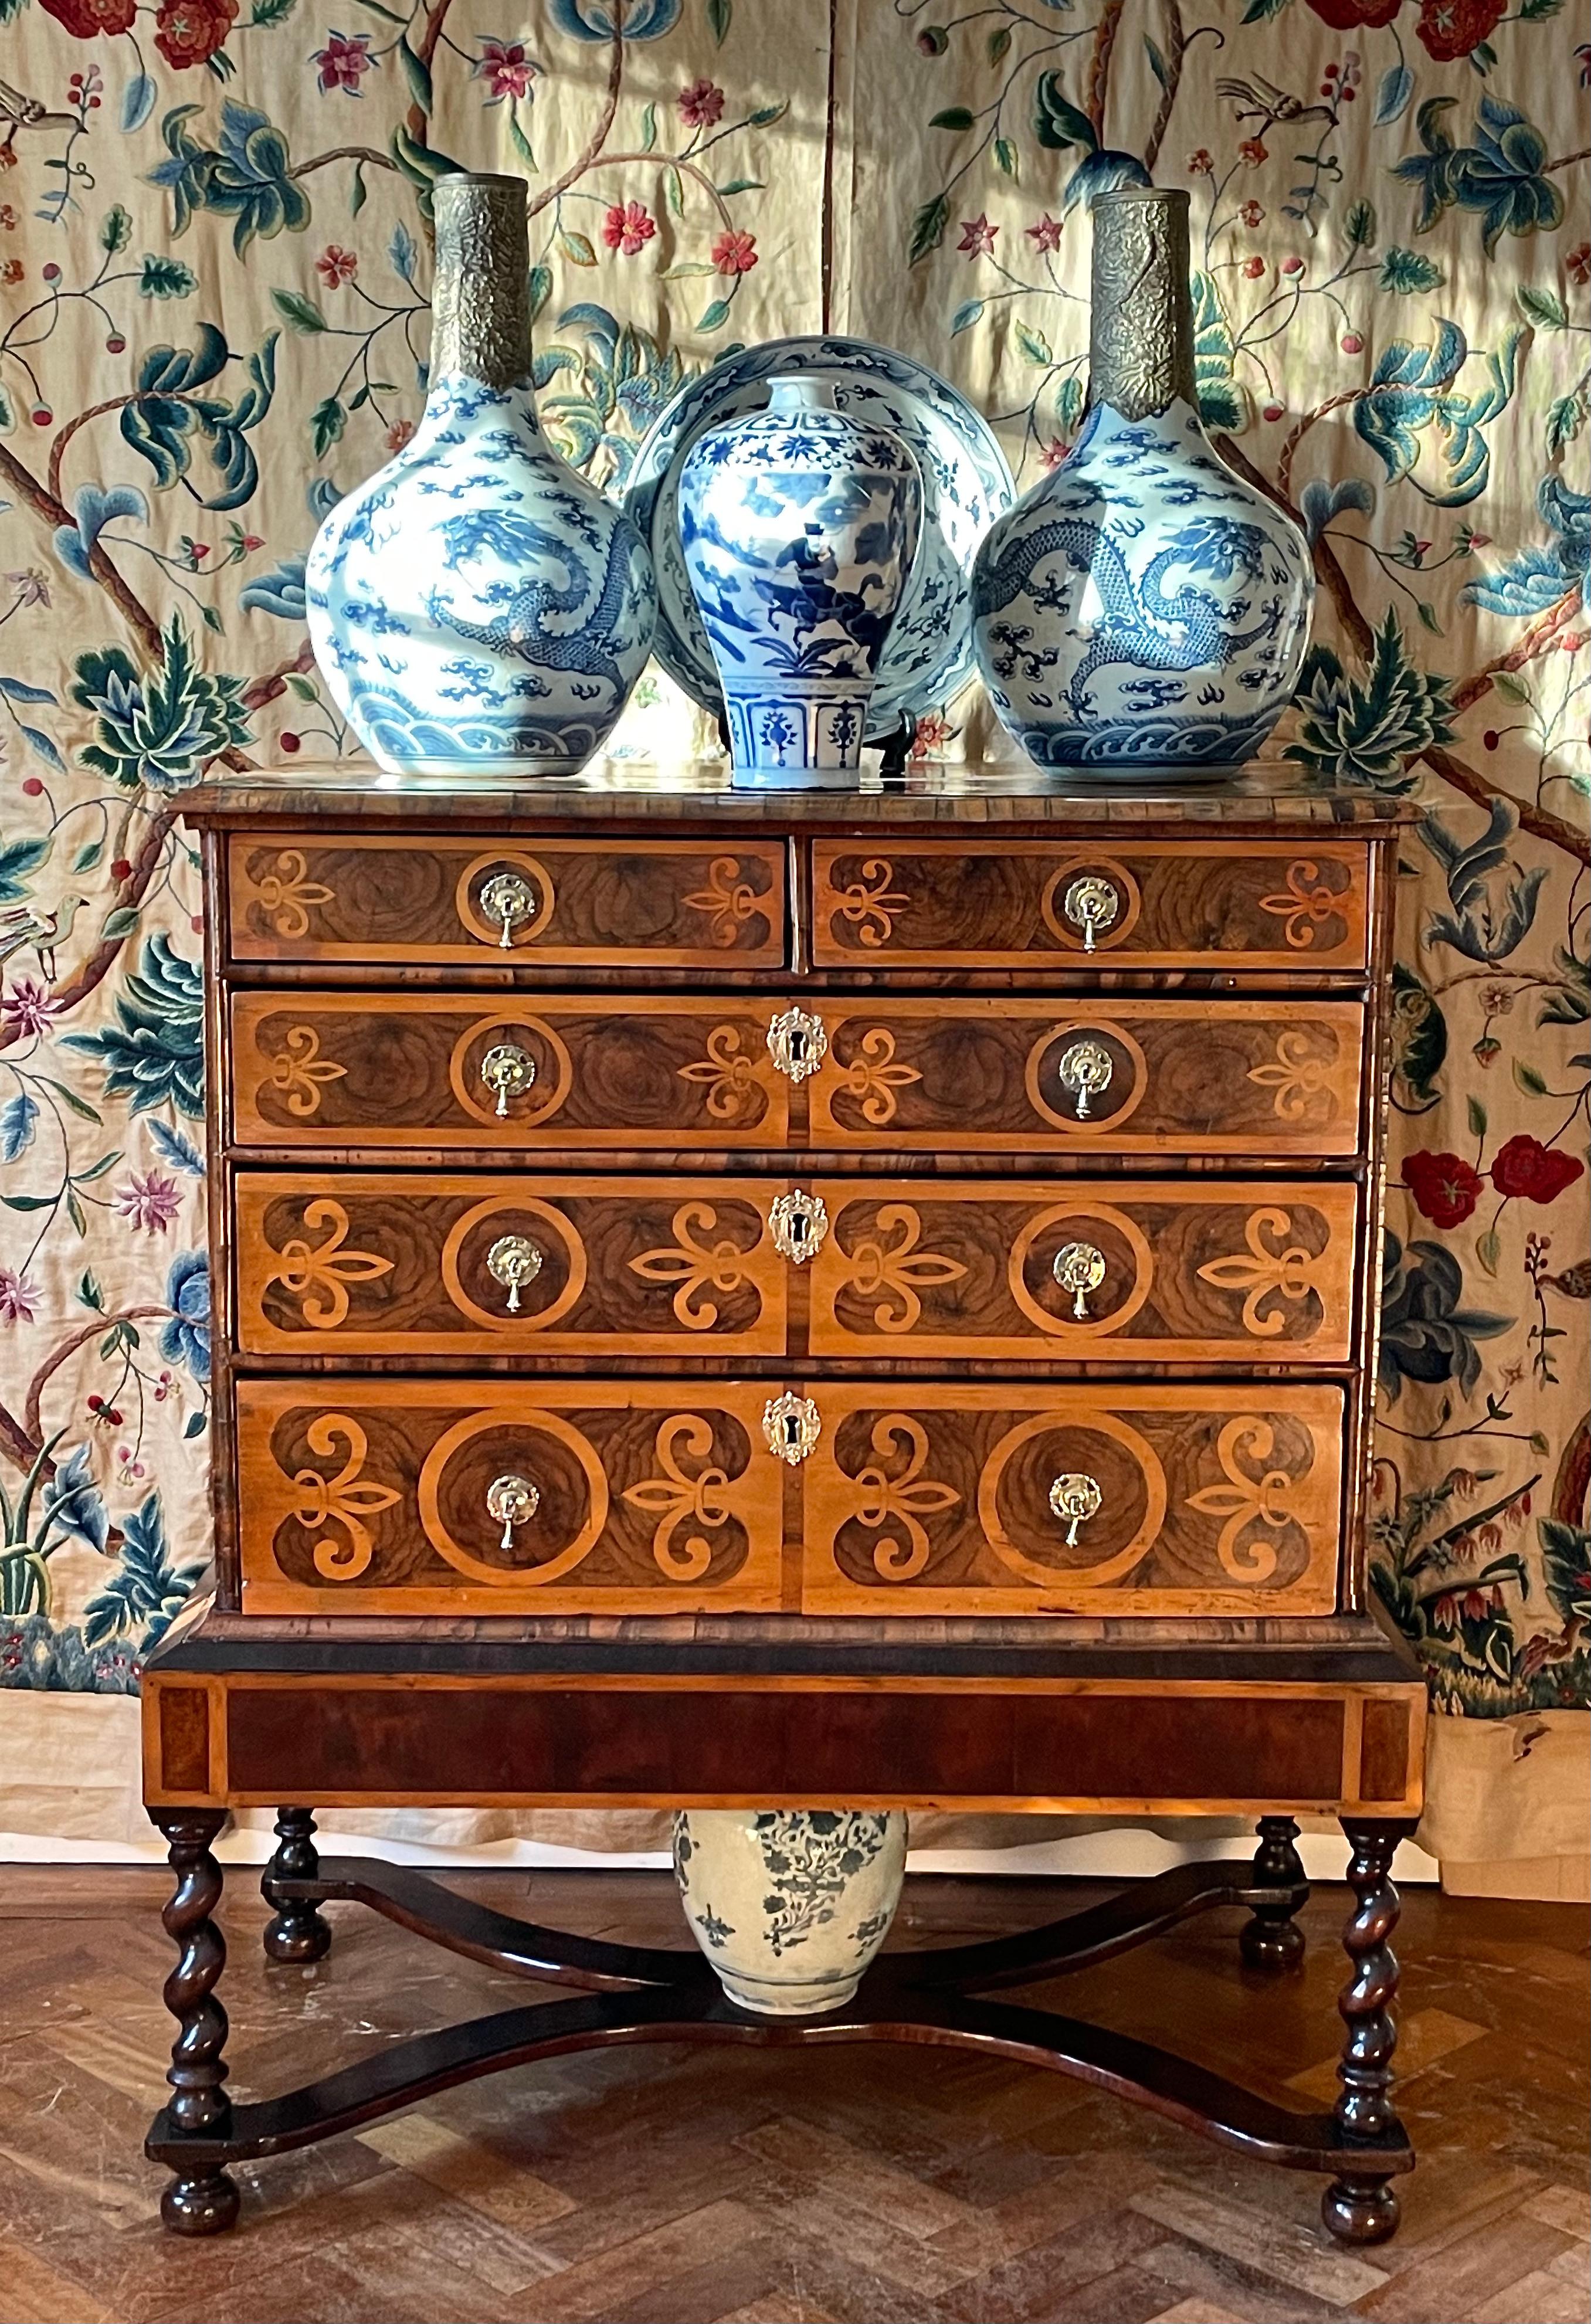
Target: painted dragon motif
(1141,625)
(528,606)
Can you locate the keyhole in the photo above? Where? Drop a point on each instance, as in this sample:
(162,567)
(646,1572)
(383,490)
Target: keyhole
(798,1045)
(792,1429)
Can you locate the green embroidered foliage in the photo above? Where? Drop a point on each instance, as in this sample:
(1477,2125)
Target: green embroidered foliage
(154,1055)
(1367,731)
(246,177)
(1501,177)
(158,729)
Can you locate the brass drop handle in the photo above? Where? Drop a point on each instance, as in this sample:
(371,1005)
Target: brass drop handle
(1079,1269)
(508,897)
(1075,1498)
(798,1221)
(511,1260)
(792,1426)
(506,1069)
(1085,1069)
(510,1501)
(1091,903)
(798,1042)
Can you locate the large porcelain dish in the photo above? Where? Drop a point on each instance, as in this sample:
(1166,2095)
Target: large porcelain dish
(967,483)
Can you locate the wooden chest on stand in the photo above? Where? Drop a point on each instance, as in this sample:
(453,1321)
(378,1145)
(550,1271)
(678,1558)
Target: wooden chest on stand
(856,1299)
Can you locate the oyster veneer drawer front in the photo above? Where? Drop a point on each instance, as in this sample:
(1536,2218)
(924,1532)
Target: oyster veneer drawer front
(390,1265)
(395,1070)
(1197,1077)
(579,903)
(426,1496)
(982,904)
(1071,1270)
(1131,1501)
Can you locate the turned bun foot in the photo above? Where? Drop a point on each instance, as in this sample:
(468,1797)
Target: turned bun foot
(1270,1944)
(299,1934)
(200,2207)
(1360,2210)
(296,1931)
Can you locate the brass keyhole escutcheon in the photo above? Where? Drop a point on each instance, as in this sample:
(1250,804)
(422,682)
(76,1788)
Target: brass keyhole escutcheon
(508,897)
(1091,903)
(1085,1071)
(514,1260)
(798,1221)
(791,1426)
(1079,1269)
(508,1071)
(798,1042)
(1075,1498)
(510,1501)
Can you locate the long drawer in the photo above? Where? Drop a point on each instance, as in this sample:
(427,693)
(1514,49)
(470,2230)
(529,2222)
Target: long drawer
(379,897)
(424,1497)
(980,904)
(383,1264)
(388,1071)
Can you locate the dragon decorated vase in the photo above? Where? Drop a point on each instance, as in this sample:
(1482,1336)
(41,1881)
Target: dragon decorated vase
(800,529)
(1143,610)
(791,1906)
(478,601)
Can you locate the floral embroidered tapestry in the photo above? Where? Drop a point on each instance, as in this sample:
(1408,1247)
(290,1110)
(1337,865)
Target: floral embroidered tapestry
(213,270)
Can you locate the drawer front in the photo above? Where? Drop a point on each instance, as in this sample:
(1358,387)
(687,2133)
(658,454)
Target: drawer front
(379,1498)
(1155,1274)
(388,1069)
(1167,1077)
(371,1266)
(992,904)
(581,903)
(937,1500)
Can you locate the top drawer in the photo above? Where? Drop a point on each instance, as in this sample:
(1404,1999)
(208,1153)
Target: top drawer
(956,903)
(570,903)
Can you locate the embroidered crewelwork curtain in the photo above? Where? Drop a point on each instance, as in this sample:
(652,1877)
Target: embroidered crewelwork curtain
(214,267)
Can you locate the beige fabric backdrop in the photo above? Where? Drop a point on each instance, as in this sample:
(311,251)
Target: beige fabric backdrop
(213,273)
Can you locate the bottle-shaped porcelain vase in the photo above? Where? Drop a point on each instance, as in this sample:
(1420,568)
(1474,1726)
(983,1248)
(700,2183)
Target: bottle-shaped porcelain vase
(800,527)
(478,602)
(1142,610)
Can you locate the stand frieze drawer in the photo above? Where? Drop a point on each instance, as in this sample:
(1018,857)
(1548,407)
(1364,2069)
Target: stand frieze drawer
(1142,1500)
(1198,1078)
(430,1497)
(983,904)
(597,903)
(383,1264)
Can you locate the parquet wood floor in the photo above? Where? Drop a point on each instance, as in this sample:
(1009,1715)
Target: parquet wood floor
(863,2185)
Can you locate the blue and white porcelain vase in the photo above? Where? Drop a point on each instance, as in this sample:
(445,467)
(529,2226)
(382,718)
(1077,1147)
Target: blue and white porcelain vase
(790,1905)
(477,602)
(800,527)
(1142,610)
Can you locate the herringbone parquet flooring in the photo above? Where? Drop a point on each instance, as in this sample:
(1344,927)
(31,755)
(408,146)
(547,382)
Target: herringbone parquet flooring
(865,2186)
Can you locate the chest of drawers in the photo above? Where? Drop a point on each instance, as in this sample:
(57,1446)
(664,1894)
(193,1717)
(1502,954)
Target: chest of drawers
(858,1298)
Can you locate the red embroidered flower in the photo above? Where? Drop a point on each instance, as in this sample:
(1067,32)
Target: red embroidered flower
(335,265)
(506,69)
(1046,235)
(1537,1173)
(88,20)
(1254,266)
(1578,263)
(1254,150)
(700,104)
(977,236)
(344,61)
(1450,29)
(1252,214)
(628,227)
(734,252)
(399,434)
(189,32)
(1443,1186)
(13,270)
(1202,163)
(1052,453)
(1348,16)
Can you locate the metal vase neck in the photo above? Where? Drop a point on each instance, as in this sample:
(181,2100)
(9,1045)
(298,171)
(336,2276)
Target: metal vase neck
(481,304)
(1140,328)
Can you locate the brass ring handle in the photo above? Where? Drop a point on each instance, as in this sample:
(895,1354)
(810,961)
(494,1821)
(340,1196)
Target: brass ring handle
(1091,903)
(1085,1071)
(510,1501)
(798,1042)
(792,1426)
(1075,1498)
(1079,1269)
(508,897)
(506,1069)
(798,1221)
(511,1260)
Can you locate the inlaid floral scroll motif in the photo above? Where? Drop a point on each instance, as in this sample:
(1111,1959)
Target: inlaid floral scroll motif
(341,1501)
(701,1500)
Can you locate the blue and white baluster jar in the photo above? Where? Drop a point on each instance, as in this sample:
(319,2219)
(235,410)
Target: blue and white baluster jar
(800,527)
(1142,612)
(477,602)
